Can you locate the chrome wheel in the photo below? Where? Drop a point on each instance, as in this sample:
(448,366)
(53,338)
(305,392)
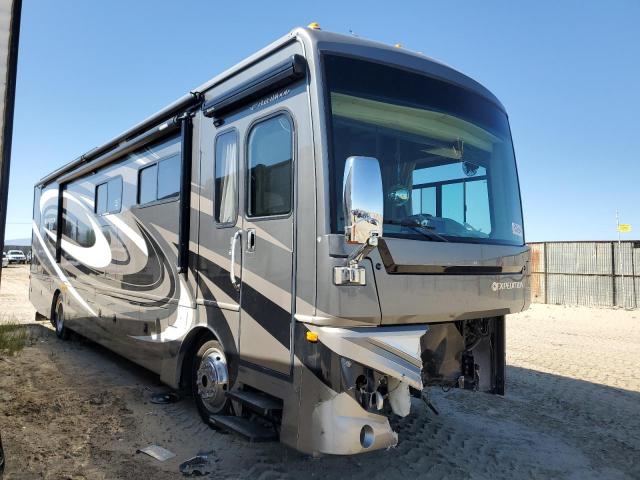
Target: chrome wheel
(57,318)
(59,321)
(212,380)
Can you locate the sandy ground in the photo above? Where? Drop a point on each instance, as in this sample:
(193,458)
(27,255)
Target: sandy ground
(572,410)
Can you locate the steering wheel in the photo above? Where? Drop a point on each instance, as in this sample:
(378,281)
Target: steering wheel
(421,218)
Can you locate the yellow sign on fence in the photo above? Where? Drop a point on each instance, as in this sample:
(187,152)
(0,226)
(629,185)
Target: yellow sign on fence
(624,228)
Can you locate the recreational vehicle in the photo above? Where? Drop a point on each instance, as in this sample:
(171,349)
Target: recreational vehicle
(306,241)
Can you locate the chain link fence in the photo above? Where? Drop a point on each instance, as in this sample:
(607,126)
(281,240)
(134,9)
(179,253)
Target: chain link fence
(593,274)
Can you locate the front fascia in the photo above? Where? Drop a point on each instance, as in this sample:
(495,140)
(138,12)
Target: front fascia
(354,305)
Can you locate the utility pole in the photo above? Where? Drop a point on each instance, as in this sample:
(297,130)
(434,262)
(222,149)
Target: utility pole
(10,11)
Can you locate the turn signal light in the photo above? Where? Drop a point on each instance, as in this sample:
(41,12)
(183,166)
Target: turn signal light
(312,337)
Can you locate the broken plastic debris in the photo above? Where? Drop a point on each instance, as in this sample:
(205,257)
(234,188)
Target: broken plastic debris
(157,452)
(197,466)
(164,398)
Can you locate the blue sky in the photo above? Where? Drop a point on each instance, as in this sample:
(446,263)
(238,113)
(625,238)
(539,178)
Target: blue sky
(568,73)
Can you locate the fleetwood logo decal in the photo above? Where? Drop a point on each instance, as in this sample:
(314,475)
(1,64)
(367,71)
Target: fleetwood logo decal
(495,286)
(271,98)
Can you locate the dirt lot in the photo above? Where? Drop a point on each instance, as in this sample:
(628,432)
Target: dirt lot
(572,410)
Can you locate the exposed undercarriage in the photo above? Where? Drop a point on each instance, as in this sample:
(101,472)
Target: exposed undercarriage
(465,354)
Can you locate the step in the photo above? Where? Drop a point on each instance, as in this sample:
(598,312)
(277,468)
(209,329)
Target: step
(259,402)
(251,430)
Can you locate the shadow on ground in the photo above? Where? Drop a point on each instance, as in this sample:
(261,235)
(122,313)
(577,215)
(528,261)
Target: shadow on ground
(547,426)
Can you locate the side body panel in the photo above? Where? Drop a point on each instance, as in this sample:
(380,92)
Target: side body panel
(118,268)
(40,279)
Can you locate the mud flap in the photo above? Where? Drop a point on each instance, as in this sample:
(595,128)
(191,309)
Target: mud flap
(499,356)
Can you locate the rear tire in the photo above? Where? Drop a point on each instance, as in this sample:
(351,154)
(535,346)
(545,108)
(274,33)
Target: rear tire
(210,380)
(57,318)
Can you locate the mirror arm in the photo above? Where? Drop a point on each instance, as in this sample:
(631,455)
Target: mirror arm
(363,250)
(352,273)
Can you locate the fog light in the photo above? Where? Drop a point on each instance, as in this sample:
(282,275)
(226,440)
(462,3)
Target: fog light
(366,436)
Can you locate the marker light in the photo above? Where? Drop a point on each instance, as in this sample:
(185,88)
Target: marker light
(398,45)
(314,26)
(312,337)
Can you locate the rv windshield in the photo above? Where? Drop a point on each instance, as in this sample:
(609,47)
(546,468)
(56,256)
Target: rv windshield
(446,157)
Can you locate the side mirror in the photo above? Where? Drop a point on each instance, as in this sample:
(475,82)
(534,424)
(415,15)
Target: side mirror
(363,199)
(363,203)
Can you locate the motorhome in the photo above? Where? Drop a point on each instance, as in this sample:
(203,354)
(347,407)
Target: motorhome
(306,241)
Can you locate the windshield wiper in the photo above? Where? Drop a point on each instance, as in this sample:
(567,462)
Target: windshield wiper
(421,229)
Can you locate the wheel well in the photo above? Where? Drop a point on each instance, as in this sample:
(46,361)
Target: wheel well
(190,346)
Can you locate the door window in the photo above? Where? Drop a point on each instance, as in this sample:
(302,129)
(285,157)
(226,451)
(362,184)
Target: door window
(270,167)
(226,160)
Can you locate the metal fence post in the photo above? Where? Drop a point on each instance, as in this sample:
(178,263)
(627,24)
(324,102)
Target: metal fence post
(614,293)
(546,275)
(633,274)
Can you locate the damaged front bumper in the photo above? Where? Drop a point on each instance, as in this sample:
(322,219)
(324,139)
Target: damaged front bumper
(368,369)
(371,372)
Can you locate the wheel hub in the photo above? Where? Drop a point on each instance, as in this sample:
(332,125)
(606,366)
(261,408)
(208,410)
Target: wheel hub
(213,379)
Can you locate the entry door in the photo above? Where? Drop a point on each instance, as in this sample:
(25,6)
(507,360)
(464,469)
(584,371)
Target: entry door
(267,238)
(219,204)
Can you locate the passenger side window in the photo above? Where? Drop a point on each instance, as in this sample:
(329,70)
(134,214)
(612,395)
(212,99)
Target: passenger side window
(159,181)
(148,184)
(109,196)
(226,170)
(101,199)
(114,195)
(270,167)
(168,177)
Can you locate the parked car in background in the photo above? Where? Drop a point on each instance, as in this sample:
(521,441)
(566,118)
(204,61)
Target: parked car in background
(5,260)
(16,256)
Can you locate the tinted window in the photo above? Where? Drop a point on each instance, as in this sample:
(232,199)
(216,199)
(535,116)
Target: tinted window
(168,177)
(148,184)
(270,162)
(109,196)
(101,199)
(160,177)
(114,195)
(226,195)
(74,228)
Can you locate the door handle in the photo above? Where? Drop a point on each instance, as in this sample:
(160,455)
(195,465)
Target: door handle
(251,239)
(232,252)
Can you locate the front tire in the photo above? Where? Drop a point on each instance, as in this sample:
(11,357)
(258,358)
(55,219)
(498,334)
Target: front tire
(57,318)
(210,380)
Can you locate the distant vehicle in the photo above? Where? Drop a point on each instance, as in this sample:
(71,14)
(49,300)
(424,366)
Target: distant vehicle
(311,237)
(5,260)
(16,256)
